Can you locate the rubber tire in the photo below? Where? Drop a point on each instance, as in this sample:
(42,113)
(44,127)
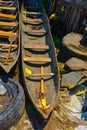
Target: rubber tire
(11,115)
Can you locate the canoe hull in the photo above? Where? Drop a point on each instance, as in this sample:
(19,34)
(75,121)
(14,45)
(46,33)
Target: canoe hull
(33,60)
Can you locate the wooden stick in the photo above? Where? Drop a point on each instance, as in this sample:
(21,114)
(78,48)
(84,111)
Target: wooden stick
(25,12)
(36,31)
(6,46)
(3,33)
(29,20)
(8,8)
(8,16)
(40,75)
(35,59)
(11,39)
(13,24)
(41,47)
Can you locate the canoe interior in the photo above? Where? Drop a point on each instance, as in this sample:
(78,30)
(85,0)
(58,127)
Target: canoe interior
(34,58)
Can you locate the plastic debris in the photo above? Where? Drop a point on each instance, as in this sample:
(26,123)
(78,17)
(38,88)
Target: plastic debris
(56,41)
(3,90)
(28,71)
(52,16)
(61,66)
(79,89)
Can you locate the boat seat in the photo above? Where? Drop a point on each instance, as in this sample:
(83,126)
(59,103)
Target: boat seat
(33,13)
(33,21)
(4,57)
(37,59)
(7,34)
(39,76)
(36,31)
(13,24)
(8,8)
(8,16)
(6,46)
(38,47)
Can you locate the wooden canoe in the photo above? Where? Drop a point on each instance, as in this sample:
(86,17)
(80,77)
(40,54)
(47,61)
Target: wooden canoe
(9,42)
(39,66)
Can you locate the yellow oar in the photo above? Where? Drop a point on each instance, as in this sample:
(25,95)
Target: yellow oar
(42,100)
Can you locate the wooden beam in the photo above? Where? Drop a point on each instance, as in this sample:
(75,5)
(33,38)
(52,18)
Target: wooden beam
(40,47)
(6,46)
(13,24)
(40,75)
(34,13)
(29,20)
(3,33)
(36,59)
(8,8)
(35,31)
(8,16)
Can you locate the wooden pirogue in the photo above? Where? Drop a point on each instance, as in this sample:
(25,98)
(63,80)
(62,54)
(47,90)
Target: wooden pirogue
(9,34)
(39,63)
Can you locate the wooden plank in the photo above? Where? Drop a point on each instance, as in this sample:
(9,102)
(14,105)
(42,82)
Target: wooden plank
(9,23)
(4,57)
(3,33)
(37,13)
(29,20)
(41,47)
(9,60)
(8,8)
(36,31)
(36,59)
(6,46)
(41,75)
(8,16)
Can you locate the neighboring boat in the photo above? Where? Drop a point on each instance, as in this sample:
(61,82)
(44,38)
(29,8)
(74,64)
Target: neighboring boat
(39,62)
(9,38)
(12,103)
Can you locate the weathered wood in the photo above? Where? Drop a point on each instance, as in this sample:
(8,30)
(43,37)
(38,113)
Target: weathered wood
(25,12)
(8,23)
(4,57)
(8,16)
(7,8)
(3,33)
(11,40)
(36,31)
(36,59)
(31,20)
(41,47)
(6,46)
(40,75)
(9,60)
